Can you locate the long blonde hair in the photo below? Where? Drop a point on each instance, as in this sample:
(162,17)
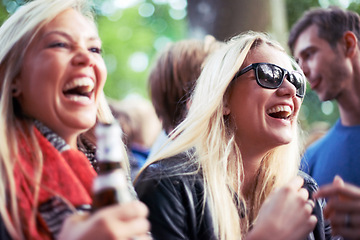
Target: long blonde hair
(16,35)
(216,152)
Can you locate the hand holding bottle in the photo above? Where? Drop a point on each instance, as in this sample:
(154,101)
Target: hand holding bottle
(125,221)
(116,212)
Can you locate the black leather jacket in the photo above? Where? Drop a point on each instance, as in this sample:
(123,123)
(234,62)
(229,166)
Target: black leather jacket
(175,202)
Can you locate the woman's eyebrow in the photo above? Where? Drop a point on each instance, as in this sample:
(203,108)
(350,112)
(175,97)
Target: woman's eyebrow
(69,36)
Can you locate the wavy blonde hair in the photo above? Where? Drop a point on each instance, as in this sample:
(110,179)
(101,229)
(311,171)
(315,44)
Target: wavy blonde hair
(216,152)
(17,34)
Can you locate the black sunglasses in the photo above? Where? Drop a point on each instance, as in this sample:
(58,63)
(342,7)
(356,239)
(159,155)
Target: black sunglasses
(272,76)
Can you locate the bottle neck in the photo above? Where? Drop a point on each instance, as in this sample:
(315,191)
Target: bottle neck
(107,166)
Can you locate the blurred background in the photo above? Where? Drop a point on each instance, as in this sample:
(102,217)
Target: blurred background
(133,31)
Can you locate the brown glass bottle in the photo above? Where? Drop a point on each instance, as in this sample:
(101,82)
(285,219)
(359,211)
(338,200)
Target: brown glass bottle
(111,185)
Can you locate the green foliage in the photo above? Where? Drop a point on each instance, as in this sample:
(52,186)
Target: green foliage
(295,9)
(354,6)
(128,34)
(3,13)
(313,110)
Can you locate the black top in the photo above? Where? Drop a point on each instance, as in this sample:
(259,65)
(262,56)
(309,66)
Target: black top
(175,202)
(4,235)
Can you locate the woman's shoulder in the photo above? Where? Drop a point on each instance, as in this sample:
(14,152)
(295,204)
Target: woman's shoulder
(171,178)
(173,189)
(173,174)
(177,165)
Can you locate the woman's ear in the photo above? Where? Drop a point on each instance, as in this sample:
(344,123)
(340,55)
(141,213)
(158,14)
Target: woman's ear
(226,110)
(15,88)
(351,43)
(188,103)
(226,107)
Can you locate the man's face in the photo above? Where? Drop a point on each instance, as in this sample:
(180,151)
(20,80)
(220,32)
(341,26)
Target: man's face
(326,68)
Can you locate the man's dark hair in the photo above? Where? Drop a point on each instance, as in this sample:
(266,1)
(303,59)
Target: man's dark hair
(332,22)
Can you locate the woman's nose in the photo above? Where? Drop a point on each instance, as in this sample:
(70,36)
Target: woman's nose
(83,58)
(286,88)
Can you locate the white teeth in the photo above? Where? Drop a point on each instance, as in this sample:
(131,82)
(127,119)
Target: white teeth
(80,82)
(79,98)
(283,108)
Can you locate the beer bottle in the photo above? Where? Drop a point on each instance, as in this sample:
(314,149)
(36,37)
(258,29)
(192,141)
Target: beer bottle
(111,184)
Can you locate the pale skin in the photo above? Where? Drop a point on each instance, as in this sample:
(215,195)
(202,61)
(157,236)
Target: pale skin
(287,206)
(66,55)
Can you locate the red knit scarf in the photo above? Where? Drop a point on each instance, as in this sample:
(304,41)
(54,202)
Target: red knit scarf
(68,174)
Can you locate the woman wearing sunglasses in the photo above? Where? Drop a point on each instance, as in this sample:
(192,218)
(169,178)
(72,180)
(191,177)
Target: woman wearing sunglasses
(230,170)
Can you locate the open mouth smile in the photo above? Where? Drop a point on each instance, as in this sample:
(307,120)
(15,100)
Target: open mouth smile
(281,112)
(79,89)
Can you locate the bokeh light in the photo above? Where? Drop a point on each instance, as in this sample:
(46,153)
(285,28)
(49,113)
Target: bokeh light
(139,61)
(327,107)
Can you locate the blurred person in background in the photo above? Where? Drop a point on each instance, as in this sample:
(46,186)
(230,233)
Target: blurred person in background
(325,42)
(172,79)
(140,126)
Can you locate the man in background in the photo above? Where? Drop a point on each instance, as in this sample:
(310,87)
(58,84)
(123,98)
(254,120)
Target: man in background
(325,42)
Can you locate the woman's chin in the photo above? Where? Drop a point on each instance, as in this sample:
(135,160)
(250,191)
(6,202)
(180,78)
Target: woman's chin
(283,139)
(81,124)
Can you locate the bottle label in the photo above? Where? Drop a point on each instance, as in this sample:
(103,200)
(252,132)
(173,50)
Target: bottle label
(109,142)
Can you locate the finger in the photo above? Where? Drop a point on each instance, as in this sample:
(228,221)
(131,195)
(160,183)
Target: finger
(138,227)
(304,193)
(309,206)
(345,220)
(338,205)
(132,210)
(347,191)
(338,181)
(328,210)
(339,220)
(338,188)
(296,183)
(292,190)
(312,222)
(336,184)
(331,207)
(126,211)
